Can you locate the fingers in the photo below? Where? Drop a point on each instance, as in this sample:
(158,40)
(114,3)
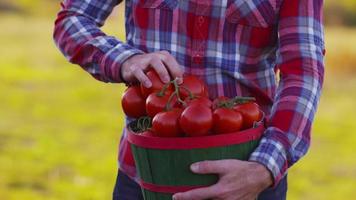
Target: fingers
(161,70)
(162,62)
(172,65)
(198,194)
(141,76)
(213,167)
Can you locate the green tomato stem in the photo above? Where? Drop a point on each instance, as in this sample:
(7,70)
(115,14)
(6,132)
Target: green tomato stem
(168,105)
(164,89)
(241,100)
(191,95)
(142,124)
(176,88)
(175,93)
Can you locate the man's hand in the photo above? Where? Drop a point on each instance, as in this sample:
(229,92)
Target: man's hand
(239,180)
(166,66)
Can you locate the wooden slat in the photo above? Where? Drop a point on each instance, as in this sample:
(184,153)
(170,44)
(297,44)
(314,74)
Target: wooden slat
(171,167)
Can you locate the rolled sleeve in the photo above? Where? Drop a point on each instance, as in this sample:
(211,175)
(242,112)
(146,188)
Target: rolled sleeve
(77,34)
(300,62)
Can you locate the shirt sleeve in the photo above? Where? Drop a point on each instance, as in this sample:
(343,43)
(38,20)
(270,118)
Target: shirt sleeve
(77,34)
(300,62)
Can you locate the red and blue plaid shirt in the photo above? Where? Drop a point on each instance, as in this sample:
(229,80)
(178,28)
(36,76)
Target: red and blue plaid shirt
(235,46)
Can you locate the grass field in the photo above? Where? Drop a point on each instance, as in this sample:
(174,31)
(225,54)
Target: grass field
(59,128)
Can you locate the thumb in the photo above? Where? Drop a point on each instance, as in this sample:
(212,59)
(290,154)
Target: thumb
(211,167)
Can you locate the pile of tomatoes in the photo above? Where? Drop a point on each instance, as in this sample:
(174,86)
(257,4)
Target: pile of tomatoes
(172,110)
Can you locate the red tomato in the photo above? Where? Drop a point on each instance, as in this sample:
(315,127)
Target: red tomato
(133,103)
(196,120)
(205,101)
(156,104)
(166,124)
(157,84)
(250,112)
(194,85)
(218,101)
(226,120)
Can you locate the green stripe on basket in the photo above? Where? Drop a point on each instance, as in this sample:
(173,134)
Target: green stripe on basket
(171,167)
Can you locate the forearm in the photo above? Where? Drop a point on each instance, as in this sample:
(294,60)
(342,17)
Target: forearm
(301,66)
(78,36)
(287,138)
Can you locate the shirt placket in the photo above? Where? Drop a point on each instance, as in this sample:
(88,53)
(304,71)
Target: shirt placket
(200,33)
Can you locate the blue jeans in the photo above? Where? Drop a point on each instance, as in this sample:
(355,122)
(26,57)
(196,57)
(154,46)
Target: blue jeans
(127,189)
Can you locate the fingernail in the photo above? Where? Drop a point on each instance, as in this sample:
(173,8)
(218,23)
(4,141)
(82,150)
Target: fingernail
(194,167)
(179,80)
(166,79)
(147,84)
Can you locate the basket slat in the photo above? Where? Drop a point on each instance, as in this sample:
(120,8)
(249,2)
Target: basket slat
(171,167)
(163,164)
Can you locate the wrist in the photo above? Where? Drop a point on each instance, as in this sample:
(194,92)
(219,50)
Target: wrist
(261,175)
(122,70)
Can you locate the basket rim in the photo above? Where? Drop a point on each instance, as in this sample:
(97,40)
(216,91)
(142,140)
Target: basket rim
(181,143)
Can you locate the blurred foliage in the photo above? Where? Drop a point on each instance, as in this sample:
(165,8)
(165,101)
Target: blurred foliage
(340,12)
(42,8)
(59,128)
(336,12)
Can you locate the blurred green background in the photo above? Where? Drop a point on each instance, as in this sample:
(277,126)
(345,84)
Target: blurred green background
(59,128)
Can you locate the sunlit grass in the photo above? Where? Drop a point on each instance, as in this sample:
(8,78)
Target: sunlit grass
(59,128)
(329,169)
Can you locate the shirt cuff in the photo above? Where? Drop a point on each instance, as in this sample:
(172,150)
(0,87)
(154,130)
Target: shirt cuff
(271,153)
(111,61)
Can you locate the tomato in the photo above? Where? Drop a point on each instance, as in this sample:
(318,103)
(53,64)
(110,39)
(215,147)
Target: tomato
(166,124)
(133,103)
(226,120)
(219,100)
(156,103)
(196,120)
(157,84)
(250,112)
(205,101)
(194,85)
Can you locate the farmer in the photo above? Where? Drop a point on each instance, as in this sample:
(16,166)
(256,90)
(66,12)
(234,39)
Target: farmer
(270,49)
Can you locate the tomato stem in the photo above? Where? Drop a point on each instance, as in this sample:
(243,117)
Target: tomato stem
(147,123)
(242,100)
(176,88)
(168,105)
(175,94)
(229,103)
(139,124)
(164,89)
(226,104)
(191,95)
(142,124)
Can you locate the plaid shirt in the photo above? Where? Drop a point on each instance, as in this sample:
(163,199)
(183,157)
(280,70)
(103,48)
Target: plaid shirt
(235,46)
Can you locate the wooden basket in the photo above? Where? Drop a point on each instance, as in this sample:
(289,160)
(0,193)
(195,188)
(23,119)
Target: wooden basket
(163,164)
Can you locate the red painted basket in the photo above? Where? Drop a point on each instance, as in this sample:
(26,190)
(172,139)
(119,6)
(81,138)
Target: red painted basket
(163,163)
